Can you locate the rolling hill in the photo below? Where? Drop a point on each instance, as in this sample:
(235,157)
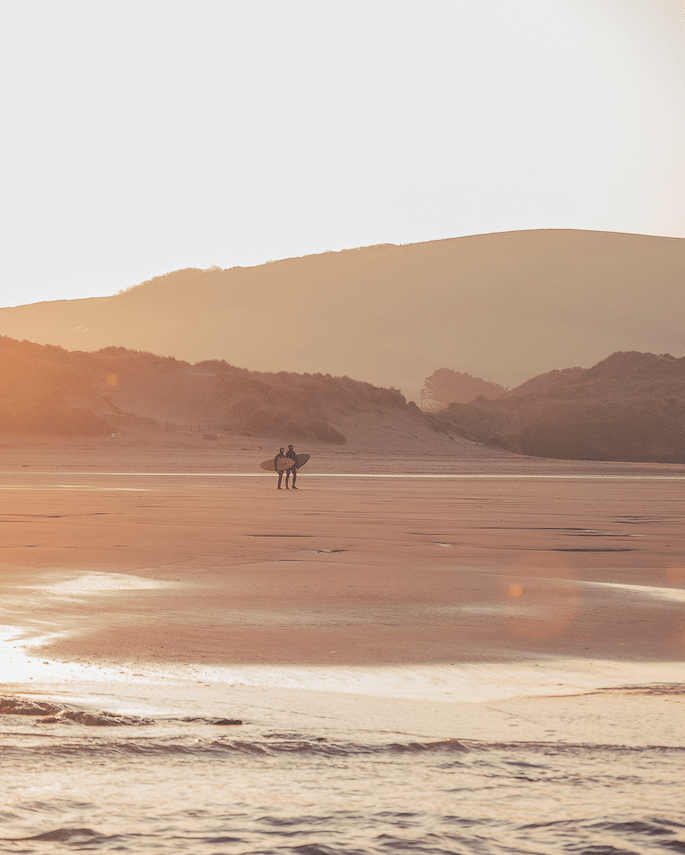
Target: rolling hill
(503,306)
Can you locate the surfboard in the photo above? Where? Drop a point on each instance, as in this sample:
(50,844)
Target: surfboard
(283,463)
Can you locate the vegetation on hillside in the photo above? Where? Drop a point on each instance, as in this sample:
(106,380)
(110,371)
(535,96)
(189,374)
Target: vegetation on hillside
(45,389)
(630,406)
(445,386)
(40,394)
(300,405)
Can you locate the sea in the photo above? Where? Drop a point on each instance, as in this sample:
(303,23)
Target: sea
(547,757)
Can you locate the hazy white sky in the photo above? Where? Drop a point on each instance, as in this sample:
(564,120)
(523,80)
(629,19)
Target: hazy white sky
(143,136)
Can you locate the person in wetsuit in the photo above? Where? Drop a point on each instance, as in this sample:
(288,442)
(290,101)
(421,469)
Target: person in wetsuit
(280,456)
(290,453)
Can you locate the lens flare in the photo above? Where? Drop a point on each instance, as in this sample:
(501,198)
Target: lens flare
(539,597)
(112,379)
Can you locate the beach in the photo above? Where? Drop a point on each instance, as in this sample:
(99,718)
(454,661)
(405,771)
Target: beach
(361,568)
(390,600)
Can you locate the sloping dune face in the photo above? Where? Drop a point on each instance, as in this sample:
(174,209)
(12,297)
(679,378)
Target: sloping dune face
(629,407)
(504,307)
(47,390)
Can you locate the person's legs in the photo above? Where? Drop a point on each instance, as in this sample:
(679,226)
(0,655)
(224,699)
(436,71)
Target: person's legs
(280,478)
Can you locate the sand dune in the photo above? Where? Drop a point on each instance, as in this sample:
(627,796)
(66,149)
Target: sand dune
(629,407)
(502,306)
(47,390)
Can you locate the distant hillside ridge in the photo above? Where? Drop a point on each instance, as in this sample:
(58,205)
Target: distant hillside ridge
(504,307)
(45,389)
(630,406)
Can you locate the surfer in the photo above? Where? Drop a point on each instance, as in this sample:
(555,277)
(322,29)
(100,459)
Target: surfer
(278,457)
(290,453)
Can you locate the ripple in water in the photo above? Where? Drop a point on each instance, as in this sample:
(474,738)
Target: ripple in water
(195,785)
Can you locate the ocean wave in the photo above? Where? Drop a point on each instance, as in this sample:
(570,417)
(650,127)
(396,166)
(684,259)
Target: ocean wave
(399,831)
(199,742)
(195,786)
(50,713)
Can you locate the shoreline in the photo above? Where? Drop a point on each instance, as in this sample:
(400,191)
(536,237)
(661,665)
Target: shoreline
(605,705)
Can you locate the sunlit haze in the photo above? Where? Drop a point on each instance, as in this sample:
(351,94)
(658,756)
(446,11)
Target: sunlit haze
(140,138)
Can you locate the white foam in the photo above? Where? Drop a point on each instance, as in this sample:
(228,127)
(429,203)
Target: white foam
(451,683)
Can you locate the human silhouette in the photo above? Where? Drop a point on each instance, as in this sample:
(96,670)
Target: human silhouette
(280,456)
(290,454)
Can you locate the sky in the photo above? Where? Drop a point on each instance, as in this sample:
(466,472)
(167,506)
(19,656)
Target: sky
(145,136)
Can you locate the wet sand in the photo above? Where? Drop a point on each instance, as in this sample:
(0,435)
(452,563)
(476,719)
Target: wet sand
(179,557)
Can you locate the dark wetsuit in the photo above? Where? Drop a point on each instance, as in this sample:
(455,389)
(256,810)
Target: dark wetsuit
(292,456)
(280,456)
